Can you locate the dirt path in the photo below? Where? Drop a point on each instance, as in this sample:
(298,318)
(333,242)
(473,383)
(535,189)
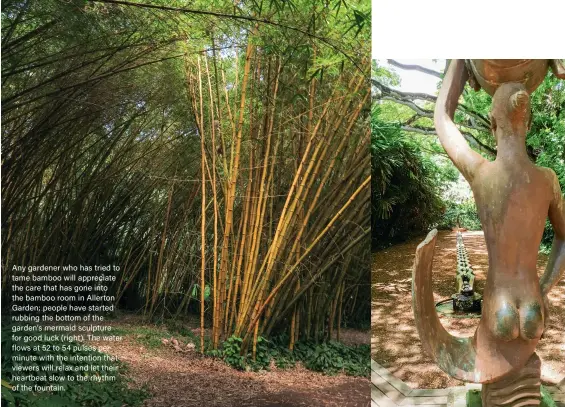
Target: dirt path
(395,341)
(188,379)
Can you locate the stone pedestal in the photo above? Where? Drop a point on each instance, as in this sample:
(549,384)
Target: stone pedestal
(522,388)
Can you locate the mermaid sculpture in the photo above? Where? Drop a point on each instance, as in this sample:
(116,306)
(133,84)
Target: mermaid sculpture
(514,197)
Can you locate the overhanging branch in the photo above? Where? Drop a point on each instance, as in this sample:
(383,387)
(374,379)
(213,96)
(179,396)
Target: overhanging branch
(407,98)
(415,68)
(418,129)
(421,112)
(471,139)
(403,95)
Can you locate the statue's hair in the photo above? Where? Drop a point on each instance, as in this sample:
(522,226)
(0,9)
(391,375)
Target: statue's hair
(511,106)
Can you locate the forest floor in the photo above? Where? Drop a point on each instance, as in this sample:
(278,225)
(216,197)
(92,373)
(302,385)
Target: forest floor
(395,343)
(189,379)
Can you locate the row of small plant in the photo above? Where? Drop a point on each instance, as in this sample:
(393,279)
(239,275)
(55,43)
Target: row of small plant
(463,263)
(75,393)
(326,357)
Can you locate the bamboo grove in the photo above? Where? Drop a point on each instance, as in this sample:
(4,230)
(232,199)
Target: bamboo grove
(221,162)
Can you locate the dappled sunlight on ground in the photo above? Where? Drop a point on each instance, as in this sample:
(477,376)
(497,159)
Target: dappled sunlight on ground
(395,341)
(188,379)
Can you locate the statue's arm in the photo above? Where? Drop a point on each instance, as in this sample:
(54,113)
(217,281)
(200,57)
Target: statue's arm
(462,155)
(556,264)
(558,68)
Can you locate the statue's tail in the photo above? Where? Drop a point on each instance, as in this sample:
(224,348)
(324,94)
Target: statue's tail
(456,356)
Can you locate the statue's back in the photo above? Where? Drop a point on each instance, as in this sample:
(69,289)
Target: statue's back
(512,200)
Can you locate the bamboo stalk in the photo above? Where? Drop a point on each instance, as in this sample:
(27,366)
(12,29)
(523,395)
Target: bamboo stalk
(339,313)
(308,250)
(203,218)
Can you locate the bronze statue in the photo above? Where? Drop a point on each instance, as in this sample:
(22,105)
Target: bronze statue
(490,73)
(513,198)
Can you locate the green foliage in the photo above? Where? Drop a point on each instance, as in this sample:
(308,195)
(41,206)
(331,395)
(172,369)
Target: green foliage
(462,214)
(547,238)
(263,354)
(232,353)
(405,185)
(334,357)
(352,360)
(146,336)
(324,359)
(546,399)
(152,336)
(76,393)
(196,292)
(327,357)
(546,138)
(181,329)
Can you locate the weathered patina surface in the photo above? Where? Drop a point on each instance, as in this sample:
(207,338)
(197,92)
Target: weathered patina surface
(514,197)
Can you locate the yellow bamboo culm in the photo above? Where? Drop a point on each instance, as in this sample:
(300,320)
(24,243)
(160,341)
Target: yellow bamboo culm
(294,322)
(203,214)
(364,185)
(231,189)
(277,219)
(339,312)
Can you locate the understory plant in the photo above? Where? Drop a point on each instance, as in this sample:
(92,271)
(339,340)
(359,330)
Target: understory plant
(328,357)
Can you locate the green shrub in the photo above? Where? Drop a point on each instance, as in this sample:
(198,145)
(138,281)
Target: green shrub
(334,357)
(232,353)
(263,354)
(547,238)
(406,184)
(327,357)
